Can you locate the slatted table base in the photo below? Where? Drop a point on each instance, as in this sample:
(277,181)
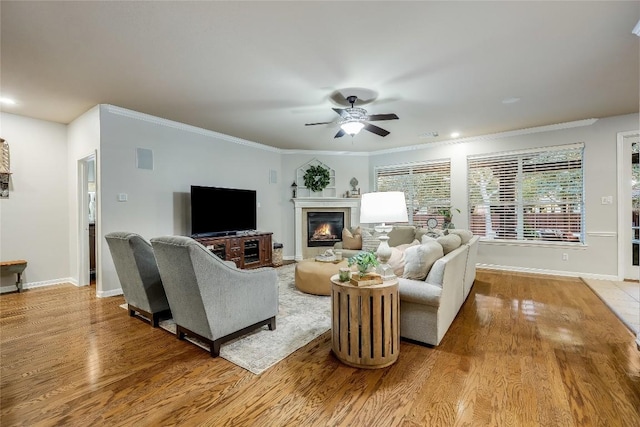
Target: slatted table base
(365,324)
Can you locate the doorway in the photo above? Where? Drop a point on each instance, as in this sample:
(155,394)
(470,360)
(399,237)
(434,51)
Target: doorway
(87,220)
(629,205)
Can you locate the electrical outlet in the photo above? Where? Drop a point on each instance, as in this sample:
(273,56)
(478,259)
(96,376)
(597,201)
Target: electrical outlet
(606,200)
(122,197)
(565,257)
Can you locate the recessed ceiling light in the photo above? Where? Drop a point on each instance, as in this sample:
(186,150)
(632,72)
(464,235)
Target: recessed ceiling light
(511,100)
(431,134)
(455,134)
(7,101)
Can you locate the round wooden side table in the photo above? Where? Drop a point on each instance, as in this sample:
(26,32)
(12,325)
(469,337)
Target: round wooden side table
(365,330)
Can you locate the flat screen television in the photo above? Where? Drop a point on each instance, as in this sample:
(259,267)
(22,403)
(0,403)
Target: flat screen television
(221,211)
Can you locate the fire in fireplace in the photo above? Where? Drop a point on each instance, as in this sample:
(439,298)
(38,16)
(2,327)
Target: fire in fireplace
(324,228)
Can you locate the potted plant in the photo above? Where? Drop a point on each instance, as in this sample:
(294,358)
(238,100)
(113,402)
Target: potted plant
(446,213)
(364,260)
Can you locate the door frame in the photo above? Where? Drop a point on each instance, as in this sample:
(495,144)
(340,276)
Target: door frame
(622,224)
(84,276)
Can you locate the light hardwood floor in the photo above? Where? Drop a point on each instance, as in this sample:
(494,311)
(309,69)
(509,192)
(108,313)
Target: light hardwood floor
(524,350)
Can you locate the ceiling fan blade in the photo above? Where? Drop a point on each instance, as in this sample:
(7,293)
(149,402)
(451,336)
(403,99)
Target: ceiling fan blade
(319,123)
(375,117)
(341,111)
(340,134)
(375,129)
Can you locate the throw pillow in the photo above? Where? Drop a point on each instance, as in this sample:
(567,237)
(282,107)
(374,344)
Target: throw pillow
(406,245)
(420,258)
(401,234)
(420,232)
(450,242)
(426,238)
(370,241)
(465,235)
(397,260)
(432,233)
(351,240)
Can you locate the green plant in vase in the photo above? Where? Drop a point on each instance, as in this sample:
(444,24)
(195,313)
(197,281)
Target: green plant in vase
(364,260)
(448,217)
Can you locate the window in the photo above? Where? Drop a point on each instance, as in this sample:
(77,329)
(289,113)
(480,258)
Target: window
(426,186)
(529,195)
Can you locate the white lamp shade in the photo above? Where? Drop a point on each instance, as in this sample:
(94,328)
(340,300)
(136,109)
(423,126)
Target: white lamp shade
(388,206)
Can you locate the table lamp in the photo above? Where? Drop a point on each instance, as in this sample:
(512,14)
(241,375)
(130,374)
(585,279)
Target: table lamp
(383,207)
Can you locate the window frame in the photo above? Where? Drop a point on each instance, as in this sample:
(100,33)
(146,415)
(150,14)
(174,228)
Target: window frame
(419,167)
(520,157)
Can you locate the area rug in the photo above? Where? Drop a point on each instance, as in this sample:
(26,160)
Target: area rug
(623,298)
(301,318)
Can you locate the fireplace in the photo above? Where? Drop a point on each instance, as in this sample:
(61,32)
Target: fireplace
(350,207)
(324,228)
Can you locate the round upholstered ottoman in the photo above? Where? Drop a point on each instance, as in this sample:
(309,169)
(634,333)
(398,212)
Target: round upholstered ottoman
(314,277)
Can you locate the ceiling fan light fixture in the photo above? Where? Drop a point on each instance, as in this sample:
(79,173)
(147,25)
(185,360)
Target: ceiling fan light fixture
(352,127)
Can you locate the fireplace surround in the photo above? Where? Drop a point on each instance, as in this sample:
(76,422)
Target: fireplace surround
(350,207)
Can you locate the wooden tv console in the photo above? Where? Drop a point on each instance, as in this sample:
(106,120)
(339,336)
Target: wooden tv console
(250,250)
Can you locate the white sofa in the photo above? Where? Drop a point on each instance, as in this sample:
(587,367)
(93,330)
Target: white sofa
(428,307)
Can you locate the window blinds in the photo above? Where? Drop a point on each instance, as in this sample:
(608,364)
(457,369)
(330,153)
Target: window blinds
(426,186)
(532,195)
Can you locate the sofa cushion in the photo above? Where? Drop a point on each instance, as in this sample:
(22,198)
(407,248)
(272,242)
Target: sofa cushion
(450,242)
(351,240)
(419,292)
(465,235)
(397,260)
(402,234)
(420,258)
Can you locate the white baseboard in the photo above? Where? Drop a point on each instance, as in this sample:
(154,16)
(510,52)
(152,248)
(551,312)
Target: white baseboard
(69,280)
(111,293)
(32,285)
(546,272)
(288,258)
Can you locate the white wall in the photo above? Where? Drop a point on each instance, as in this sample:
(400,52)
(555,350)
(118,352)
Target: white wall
(598,257)
(83,141)
(34,219)
(159,199)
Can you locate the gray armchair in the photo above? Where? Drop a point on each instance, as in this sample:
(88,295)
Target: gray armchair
(139,276)
(210,299)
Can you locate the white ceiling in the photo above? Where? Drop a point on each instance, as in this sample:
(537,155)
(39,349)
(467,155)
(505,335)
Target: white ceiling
(261,70)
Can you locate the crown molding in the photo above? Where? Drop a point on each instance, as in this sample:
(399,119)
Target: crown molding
(491,136)
(326,152)
(212,134)
(188,128)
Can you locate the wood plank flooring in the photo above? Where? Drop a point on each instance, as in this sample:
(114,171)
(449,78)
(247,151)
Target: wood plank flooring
(524,350)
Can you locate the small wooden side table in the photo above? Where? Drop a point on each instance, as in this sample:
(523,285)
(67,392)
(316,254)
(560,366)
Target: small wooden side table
(365,330)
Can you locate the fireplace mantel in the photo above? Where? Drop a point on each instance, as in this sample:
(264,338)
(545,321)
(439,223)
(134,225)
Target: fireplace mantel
(353,205)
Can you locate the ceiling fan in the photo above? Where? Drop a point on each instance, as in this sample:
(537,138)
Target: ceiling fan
(354,119)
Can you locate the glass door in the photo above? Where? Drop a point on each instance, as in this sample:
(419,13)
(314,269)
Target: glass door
(635,207)
(630,206)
